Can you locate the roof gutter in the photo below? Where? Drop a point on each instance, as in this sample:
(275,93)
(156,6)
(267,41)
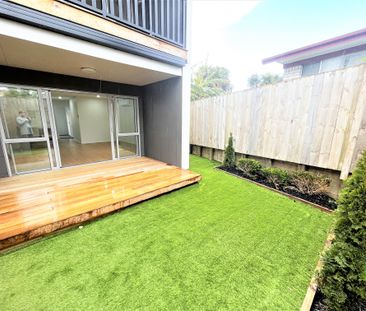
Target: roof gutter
(317,46)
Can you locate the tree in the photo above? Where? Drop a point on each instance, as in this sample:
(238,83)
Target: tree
(210,81)
(254,80)
(264,79)
(342,279)
(229,153)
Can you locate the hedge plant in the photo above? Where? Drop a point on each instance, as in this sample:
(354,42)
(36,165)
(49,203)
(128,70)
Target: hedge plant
(309,183)
(249,167)
(342,279)
(229,154)
(277,177)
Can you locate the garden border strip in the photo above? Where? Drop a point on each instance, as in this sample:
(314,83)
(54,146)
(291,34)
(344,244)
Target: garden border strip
(313,286)
(322,208)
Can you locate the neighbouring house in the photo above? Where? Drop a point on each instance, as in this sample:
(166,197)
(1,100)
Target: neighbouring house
(94,109)
(335,53)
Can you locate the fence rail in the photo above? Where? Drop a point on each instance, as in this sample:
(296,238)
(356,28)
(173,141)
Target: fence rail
(318,120)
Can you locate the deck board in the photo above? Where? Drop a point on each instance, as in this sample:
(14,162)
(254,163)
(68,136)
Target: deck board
(38,204)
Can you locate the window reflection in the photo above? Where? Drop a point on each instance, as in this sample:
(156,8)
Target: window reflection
(20,113)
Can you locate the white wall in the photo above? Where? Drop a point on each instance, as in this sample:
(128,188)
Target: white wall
(74,118)
(59,108)
(93,120)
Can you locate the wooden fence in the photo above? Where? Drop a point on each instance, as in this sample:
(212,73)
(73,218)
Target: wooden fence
(318,120)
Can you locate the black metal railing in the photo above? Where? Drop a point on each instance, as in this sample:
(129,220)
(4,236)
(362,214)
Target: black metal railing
(165,19)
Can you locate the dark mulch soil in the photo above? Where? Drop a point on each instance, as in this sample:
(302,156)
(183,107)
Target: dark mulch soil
(322,200)
(319,305)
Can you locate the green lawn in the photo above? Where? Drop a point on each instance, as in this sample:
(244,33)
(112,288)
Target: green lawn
(223,244)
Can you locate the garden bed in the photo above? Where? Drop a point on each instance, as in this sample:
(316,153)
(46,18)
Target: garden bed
(323,201)
(319,305)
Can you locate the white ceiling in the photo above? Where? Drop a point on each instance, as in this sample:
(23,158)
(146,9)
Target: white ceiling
(63,56)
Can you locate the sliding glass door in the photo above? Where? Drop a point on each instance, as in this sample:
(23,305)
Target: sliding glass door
(44,129)
(24,131)
(127,127)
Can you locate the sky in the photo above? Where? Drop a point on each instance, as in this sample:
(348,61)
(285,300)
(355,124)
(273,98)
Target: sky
(238,34)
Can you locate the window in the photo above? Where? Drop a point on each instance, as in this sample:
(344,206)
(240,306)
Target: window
(310,69)
(355,59)
(333,63)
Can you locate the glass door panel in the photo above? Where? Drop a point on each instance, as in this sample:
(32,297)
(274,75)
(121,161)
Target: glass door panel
(21,113)
(23,130)
(82,127)
(128,146)
(127,127)
(126,116)
(28,157)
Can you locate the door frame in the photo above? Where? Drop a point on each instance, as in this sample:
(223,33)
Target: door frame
(51,117)
(44,94)
(117,134)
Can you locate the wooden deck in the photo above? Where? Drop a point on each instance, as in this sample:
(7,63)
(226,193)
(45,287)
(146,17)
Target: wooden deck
(37,204)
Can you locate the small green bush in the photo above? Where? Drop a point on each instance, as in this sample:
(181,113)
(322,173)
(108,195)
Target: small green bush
(277,177)
(309,183)
(343,277)
(229,154)
(249,167)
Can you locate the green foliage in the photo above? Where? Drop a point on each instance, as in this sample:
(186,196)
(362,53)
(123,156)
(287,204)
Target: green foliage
(249,167)
(208,81)
(278,177)
(229,153)
(343,277)
(263,79)
(13,92)
(309,183)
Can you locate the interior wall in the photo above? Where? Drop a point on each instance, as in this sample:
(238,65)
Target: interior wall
(93,120)
(74,121)
(162,120)
(59,108)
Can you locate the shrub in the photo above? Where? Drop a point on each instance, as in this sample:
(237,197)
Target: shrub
(343,277)
(229,154)
(277,177)
(309,183)
(249,167)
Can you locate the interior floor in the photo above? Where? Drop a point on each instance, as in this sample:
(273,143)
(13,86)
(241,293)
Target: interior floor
(74,153)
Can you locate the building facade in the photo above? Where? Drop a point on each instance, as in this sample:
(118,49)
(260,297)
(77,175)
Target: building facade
(84,81)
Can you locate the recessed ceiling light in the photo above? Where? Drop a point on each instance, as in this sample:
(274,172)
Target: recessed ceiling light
(60,97)
(98,96)
(88,69)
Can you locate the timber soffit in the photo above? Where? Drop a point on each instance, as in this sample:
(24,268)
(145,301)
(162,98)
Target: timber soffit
(41,20)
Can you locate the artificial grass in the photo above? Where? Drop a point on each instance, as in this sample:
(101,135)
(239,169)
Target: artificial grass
(222,244)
